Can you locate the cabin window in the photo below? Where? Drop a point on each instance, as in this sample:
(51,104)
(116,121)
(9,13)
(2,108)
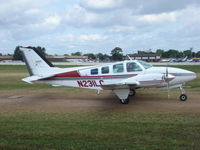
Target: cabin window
(118,68)
(145,64)
(94,71)
(132,67)
(105,70)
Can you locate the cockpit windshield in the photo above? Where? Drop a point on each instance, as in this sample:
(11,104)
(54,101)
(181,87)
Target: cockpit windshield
(145,64)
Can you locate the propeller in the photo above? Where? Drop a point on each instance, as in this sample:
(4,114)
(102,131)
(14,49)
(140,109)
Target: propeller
(167,73)
(168,77)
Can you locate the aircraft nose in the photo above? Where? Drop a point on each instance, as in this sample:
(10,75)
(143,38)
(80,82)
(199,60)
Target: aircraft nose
(191,75)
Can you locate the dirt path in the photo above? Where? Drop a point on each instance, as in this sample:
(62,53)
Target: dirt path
(143,102)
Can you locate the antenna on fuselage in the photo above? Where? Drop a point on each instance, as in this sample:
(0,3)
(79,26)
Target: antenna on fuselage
(129,57)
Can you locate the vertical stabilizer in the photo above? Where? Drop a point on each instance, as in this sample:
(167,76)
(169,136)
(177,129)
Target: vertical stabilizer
(36,63)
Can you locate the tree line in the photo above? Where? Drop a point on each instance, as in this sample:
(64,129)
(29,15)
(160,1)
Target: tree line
(116,54)
(172,53)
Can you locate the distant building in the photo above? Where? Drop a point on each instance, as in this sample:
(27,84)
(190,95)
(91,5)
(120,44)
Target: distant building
(6,58)
(67,58)
(54,58)
(145,57)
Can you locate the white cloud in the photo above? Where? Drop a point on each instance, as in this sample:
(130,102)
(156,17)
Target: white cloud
(158,18)
(52,20)
(101,4)
(33,11)
(100,24)
(65,38)
(90,37)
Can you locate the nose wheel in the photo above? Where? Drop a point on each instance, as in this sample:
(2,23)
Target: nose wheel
(183,96)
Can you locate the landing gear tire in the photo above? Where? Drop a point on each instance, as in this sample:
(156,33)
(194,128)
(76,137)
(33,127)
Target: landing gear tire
(183,97)
(132,92)
(124,101)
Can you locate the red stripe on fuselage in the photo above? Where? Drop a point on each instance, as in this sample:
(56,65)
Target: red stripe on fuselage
(76,74)
(68,74)
(112,75)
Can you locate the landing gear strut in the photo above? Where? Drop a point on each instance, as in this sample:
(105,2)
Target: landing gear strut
(183,96)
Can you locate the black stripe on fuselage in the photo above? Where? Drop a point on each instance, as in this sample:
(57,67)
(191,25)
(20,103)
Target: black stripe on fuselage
(43,57)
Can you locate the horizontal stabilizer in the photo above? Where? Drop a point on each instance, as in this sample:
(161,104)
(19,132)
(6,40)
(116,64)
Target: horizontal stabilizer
(34,78)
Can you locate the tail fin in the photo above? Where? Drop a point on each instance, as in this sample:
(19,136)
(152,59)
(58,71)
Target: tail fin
(36,63)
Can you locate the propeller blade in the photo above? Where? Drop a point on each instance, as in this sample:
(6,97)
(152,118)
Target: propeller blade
(167,81)
(167,71)
(168,90)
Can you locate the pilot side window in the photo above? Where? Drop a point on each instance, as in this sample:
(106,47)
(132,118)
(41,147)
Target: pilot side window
(118,68)
(105,70)
(132,67)
(94,71)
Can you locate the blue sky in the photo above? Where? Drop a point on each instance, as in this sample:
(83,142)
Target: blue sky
(66,26)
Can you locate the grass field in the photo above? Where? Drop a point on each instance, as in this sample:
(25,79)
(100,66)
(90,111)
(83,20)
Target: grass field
(91,129)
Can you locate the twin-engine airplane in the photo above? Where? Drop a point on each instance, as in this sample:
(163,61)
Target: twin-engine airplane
(121,77)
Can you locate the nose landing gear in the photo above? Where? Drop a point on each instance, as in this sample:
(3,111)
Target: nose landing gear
(183,96)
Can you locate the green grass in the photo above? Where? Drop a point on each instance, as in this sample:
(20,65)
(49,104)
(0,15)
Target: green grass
(95,129)
(99,131)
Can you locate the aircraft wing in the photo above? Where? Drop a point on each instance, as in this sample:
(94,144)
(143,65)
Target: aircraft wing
(143,80)
(120,85)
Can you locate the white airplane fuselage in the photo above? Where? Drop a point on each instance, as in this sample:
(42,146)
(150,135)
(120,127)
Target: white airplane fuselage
(152,77)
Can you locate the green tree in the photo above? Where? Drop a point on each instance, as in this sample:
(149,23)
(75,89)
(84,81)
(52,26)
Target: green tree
(103,57)
(42,50)
(160,51)
(17,54)
(142,52)
(180,54)
(193,54)
(90,55)
(100,56)
(198,54)
(171,54)
(76,54)
(1,54)
(188,53)
(117,54)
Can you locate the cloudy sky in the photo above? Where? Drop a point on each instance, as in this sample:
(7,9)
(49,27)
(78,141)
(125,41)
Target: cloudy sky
(64,26)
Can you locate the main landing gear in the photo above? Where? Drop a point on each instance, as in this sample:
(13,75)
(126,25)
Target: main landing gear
(183,96)
(131,93)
